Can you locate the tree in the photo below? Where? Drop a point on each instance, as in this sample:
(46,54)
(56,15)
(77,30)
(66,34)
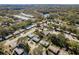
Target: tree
(1,49)
(10,20)
(23,41)
(59,40)
(74,46)
(23,24)
(40,33)
(62,40)
(2,31)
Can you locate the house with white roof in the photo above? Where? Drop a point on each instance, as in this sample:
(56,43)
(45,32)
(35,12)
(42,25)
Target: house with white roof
(18,51)
(30,35)
(36,39)
(44,43)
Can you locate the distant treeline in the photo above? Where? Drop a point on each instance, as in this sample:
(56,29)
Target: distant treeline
(33,6)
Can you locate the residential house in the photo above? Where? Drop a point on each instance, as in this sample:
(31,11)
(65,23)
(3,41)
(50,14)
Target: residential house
(46,32)
(63,52)
(53,49)
(44,43)
(36,39)
(30,35)
(30,26)
(19,50)
(9,36)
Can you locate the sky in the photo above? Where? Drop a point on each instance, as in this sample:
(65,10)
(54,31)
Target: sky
(39,1)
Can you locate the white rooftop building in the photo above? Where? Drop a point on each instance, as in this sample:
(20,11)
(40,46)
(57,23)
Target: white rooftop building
(27,15)
(30,26)
(21,17)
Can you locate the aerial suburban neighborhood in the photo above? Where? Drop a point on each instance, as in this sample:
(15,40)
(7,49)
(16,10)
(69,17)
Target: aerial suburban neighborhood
(39,29)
